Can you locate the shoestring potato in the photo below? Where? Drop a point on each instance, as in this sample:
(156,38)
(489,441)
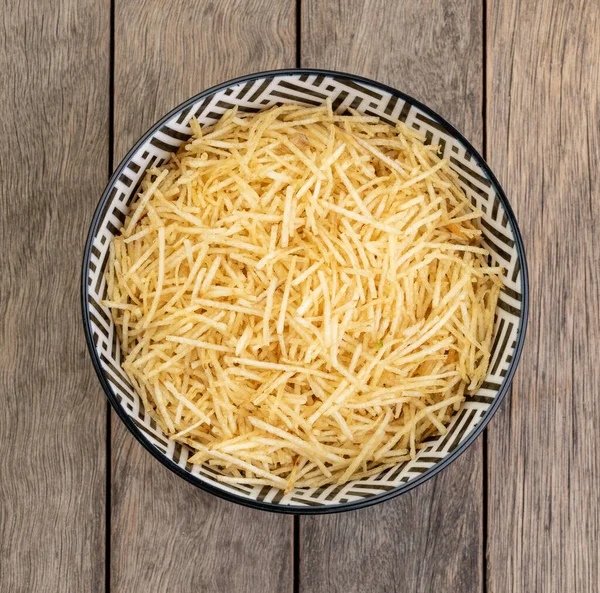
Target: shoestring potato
(301,297)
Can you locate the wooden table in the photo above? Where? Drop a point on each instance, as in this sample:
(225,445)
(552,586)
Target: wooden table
(84,508)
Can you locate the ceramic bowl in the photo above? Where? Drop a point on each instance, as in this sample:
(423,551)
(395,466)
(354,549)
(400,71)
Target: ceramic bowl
(310,87)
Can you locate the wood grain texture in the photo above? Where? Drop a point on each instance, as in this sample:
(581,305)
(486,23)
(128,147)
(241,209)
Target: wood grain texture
(54,65)
(429,539)
(166,534)
(544,143)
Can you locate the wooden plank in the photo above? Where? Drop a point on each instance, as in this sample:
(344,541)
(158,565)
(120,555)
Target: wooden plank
(166,534)
(429,539)
(54,94)
(544,143)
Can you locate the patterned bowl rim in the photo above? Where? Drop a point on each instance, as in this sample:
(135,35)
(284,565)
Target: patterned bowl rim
(296,509)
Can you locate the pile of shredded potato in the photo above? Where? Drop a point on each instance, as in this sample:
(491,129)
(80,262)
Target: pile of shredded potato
(301,296)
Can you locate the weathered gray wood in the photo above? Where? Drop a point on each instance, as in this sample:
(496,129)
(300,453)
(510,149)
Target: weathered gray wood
(166,534)
(542,140)
(544,143)
(54,96)
(430,539)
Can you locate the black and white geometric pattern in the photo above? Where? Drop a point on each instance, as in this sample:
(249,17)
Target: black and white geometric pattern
(311,88)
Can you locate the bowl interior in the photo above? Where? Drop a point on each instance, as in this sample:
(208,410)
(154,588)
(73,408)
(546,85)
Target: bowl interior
(255,93)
